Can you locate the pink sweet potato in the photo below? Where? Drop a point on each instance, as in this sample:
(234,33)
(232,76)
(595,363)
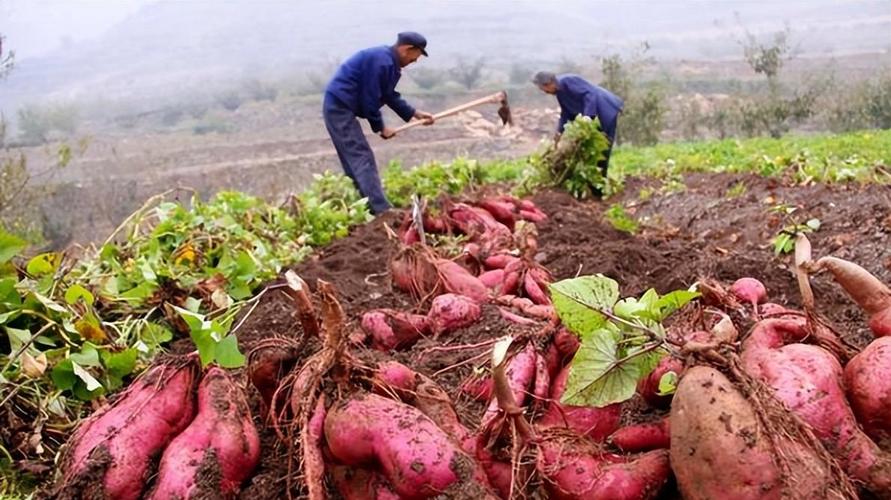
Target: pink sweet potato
(648,387)
(499,260)
(720,450)
(493,279)
(217,451)
(355,483)
(449,312)
(865,289)
(643,437)
(502,211)
(749,290)
(418,459)
(591,421)
(390,329)
(542,387)
(534,290)
(868,386)
(478,388)
(574,471)
(111,451)
(394,377)
(807,380)
(520,373)
(458,280)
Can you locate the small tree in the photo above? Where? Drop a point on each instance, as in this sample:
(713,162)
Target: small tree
(468,74)
(6,61)
(427,78)
(643,118)
(520,74)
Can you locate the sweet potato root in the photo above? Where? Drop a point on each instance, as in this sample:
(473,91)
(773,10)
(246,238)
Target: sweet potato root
(449,312)
(217,451)
(720,449)
(648,387)
(417,458)
(111,451)
(865,289)
(868,386)
(595,423)
(390,329)
(807,380)
(574,471)
(643,437)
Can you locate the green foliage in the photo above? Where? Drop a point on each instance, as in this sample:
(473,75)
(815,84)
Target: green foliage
(520,74)
(468,73)
(41,123)
(784,241)
(259,91)
(329,208)
(736,190)
(427,78)
(859,157)
(621,340)
(866,104)
(620,219)
(433,179)
(643,118)
(230,100)
(571,164)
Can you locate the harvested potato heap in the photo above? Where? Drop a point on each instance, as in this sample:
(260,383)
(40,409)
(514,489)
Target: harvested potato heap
(737,397)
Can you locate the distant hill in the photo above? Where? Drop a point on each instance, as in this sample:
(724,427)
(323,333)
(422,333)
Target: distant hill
(169,45)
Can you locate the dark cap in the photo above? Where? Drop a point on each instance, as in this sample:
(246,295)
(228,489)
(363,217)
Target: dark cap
(413,39)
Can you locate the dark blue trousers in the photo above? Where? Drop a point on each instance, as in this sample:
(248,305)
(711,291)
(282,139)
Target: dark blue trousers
(355,154)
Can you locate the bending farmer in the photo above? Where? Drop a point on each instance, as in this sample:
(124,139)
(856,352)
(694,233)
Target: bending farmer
(577,96)
(364,83)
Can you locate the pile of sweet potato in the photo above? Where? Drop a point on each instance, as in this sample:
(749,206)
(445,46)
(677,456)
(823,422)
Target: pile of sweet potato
(769,402)
(201,447)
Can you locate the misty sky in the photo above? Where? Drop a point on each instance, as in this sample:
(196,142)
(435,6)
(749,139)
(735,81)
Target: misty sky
(35,27)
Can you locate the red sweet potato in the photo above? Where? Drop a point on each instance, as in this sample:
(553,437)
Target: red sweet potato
(394,377)
(449,312)
(720,450)
(355,483)
(493,279)
(643,437)
(458,280)
(807,380)
(390,329)
(574,471)
(591,421)
(542,388)
(499,260)
(868,386)
(217,451)
(520,373)
(865,289)
(534,290)
(749,290)
(502,211)
(111,451)
(648,387)
(478,388)
(417,458)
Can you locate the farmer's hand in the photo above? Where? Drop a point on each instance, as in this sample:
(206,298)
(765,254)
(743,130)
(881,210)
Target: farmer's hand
(427,117)
(387,132)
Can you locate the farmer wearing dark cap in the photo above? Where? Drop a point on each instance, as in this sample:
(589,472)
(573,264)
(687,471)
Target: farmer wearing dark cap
(577,96)
(364,83)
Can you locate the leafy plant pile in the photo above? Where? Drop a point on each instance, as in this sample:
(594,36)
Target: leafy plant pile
(75,330)
(571,162)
